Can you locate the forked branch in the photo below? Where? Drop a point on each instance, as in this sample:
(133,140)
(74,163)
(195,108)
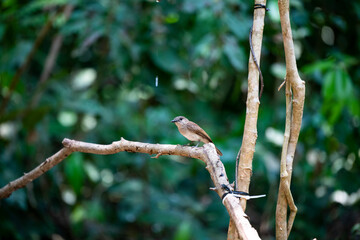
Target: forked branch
(297,86)
(284,188)
(207,154)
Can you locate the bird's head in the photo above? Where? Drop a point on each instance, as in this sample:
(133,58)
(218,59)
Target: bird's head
(180,120)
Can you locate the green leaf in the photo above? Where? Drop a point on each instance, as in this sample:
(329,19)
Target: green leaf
(5,79)
(95,211)
(349,60)
(338,93)
(238,25)
(335,113)
(338,88)
(172,18)
(328,89)
(354,106)
(356,229)
(343,85)
(347,84)
(74,171)
(322,65)
(169,61)
(78,214)
(234,54)
(183,232)
(205,47)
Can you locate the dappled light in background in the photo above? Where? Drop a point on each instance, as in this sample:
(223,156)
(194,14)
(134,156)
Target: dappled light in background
(67,118)
(83,79)
(327,35)
(7,130)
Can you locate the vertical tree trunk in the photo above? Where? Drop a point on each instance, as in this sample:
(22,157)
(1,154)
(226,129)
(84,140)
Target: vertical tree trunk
(292,79)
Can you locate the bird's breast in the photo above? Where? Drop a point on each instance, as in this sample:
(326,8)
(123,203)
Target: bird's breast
(189,134)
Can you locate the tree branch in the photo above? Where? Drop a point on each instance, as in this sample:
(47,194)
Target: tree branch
(298,89)
(207,154)
(15,80)
(244,169)
(50,60)
(246,153)
(284,187)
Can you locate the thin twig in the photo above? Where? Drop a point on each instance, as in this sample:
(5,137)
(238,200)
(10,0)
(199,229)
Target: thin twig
(281,85)
(50,60)
(15,80)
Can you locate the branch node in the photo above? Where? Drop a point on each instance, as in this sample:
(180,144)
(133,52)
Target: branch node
(67,142)
(212,188)
(282,84)
(157,155)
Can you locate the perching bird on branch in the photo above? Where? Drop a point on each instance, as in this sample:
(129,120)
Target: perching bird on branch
(192,131)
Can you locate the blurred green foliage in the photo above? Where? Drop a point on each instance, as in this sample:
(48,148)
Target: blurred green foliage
(103,87)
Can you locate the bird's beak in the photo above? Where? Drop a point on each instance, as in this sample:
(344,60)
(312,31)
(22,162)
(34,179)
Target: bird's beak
(173,120)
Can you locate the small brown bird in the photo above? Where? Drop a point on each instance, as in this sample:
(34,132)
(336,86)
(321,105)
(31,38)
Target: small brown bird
(192,131)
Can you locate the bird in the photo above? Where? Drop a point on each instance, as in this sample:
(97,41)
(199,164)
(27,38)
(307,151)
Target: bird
(192,131)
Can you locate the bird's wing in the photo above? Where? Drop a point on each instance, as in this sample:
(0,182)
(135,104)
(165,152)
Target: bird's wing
(198,130)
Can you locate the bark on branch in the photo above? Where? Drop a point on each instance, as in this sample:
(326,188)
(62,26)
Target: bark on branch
(293,81)
(246,152)
(247,149)
(207,154)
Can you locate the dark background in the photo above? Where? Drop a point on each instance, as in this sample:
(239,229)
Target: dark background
(102,88)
